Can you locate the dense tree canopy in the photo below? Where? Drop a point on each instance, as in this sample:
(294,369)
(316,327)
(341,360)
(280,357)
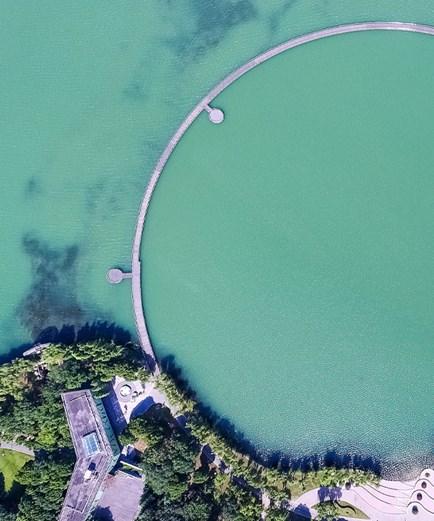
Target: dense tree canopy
(31,412)
(30,402)
(6,515)
(149,429)
(180,486)
(45,481)
(15,380)
(169,465)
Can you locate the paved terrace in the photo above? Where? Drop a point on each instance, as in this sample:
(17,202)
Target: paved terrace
(121,498)
(206,105)
(90,470)
(389,501)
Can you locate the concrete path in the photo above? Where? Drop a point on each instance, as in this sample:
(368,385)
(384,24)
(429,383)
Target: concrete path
(10,445)
(142,397)
(205,104)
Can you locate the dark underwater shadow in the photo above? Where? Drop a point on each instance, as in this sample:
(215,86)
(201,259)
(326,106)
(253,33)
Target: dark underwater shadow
(89,332)
(69,334)
(13,353)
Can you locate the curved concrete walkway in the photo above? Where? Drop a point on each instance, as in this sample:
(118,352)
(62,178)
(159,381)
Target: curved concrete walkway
(10,445)
(205,104)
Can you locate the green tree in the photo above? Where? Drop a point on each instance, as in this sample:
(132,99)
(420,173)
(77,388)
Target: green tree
(15,380)
(200,476)
(276,515)
(45,483)
(68,376)
(175,396)
(149,429)
(157,508)
(239,505)
(327,511)
(6,515)
(198,510)
(169,464)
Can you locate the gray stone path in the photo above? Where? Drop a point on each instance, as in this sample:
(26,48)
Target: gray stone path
(10,445)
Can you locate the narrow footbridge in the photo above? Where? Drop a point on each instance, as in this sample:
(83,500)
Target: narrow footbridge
(216,116)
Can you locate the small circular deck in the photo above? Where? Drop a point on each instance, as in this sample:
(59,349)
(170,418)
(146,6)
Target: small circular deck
(216,116)
(115,276)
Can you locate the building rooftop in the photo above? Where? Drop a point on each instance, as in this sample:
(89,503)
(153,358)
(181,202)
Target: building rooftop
(121,497)
(96,451)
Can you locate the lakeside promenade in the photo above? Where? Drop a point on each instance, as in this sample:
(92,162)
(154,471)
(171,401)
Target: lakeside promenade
(387,501)
(205,104)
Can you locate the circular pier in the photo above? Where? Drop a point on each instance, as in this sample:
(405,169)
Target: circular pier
(216,116)
(116,276)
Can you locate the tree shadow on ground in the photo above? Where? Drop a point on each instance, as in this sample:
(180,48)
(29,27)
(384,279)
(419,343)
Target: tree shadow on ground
(301,512)
(102,514)
(329,494)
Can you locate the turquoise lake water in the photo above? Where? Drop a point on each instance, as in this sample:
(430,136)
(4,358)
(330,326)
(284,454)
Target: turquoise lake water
(289,251)
(90,94)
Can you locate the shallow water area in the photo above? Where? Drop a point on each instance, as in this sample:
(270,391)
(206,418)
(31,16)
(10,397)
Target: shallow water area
(288,252)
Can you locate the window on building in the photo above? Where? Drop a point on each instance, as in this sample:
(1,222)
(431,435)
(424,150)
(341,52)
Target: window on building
(91,444)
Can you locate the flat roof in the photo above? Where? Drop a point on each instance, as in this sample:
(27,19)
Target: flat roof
(91,467)
(121,497)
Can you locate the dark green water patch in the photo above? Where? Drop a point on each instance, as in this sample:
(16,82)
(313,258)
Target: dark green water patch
(211,22)
(52,297)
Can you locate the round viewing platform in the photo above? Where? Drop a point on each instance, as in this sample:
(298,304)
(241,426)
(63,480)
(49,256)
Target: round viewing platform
(116,276)
(216,116)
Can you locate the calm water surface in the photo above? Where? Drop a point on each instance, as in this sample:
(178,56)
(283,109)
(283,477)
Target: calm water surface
(90,94)
(289,251)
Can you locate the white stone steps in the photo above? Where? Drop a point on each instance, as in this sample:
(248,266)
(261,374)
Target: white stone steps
(388,495)
(385,507)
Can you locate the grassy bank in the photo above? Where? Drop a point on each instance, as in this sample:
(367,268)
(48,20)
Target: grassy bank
(10,463)
(342,508)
